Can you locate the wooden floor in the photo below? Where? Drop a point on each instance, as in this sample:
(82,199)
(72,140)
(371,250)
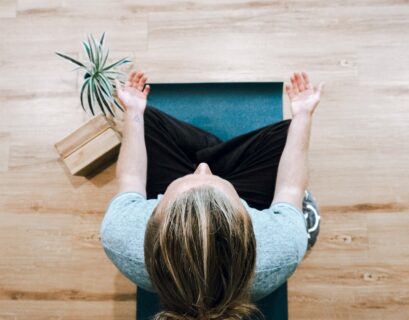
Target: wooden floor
(52,265)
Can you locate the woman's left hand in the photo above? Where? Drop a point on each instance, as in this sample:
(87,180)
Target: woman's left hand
(134,95)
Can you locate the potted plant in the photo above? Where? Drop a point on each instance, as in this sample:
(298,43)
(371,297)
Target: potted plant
(97,140)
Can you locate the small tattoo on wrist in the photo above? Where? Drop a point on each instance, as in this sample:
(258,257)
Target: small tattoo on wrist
(135,117)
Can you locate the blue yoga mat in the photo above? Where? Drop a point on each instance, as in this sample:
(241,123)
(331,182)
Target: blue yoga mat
(226,109)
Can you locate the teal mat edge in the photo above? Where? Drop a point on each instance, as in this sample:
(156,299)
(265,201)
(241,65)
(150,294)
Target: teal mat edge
(203,104)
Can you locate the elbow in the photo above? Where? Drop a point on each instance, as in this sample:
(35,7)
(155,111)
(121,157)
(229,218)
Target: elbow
(104,234)
(293,195)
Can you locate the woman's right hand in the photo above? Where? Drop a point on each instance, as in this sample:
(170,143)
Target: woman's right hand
(304,97)
(133,96)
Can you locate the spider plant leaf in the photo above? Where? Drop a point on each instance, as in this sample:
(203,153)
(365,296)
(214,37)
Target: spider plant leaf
(111,99)
(101,89)
(106,95)
(118,105)
(97,92)
(101,57)
(105,86)
(102,101)
(105,59)
(118,63)
(109,95)
(101,41)
(94,90)
(112,80)
(84,85)
(96,51)
(87,49)
(108,85)
(70,59)
(115,73)
(90,97)
(99,53)
(91,49)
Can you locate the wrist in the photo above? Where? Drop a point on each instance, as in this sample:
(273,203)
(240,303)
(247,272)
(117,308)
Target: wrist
(304,116)
(133,117)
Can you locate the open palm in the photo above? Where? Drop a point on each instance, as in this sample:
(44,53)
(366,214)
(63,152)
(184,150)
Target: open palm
(133,96)
(304,97)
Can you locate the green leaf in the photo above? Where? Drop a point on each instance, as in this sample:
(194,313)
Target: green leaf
(89,96)
(104,101)
(106,84)
(84,85)
(111,98)
(107,95)
(101,41)
(108,98)
(107,92)
(101,57)
(118,73)
(101,105)
(92,59)
(99,54)
(105,59)
(87,49)
(70,59)
(94,90)
(118,63)
(96,51)
(118,105)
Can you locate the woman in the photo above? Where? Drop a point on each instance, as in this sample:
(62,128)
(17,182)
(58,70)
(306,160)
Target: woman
(195,219)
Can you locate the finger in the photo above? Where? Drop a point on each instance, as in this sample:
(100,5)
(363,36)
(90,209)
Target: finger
(300,82)
(142,82)
(137,78)
(320,87)
(131,75)
(294,84)
(147,89)
(307,82)
(289,91)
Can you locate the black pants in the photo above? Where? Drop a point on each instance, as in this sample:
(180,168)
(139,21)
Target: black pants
(249,161)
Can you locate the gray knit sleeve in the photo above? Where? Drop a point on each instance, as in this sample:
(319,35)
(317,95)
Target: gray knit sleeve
(122,235)
(281,244)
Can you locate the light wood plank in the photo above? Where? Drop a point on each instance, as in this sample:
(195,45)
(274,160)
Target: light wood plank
(4,151)
(52,263)
(8,9)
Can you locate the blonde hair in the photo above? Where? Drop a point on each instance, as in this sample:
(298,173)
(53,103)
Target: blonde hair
(200,254)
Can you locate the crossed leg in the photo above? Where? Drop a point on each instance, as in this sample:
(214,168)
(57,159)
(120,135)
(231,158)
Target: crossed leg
(249,161)
(171,146)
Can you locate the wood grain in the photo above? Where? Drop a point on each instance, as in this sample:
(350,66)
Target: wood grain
(94,153)
(82,135)
(52,265)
